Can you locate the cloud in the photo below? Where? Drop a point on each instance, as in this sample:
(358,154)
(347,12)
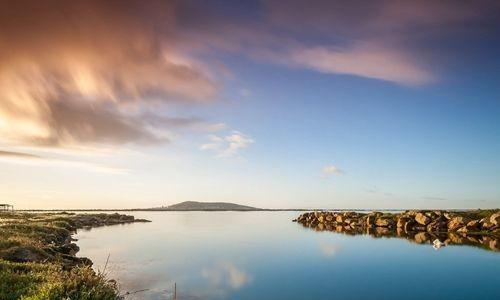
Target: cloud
(226,274)
(22,158)
(363,60)
(433,198)
(376,190)
(18,155)
(109,63)
(332,170)
(81,73)
(229,145)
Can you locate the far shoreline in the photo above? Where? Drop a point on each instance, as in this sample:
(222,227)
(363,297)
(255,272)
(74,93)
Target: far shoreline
(244,210)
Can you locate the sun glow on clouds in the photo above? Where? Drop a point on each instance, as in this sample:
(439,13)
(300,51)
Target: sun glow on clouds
(91,81)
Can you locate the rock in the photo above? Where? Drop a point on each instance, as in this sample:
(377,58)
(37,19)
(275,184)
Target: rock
(495,219)
(474,224)
(486,224)
(422,237)
(409,226)
(329,218)
(436,225)
(339,219)
(321,218)
(382,231)
(494,245)
(448,216)
(70,249)
(457,222)
(384,222)
(455,238)
(463,229)
(411,213)
(402,222)
(422,219)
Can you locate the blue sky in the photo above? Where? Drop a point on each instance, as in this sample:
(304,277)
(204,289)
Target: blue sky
(387,105)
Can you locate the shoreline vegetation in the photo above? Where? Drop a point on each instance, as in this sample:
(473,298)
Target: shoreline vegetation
(38,257)
(479,228)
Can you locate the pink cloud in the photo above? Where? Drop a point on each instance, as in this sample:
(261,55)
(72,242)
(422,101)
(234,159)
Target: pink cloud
(363,60)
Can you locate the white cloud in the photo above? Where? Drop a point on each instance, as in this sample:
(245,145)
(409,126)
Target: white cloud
(228,145)
(332,170)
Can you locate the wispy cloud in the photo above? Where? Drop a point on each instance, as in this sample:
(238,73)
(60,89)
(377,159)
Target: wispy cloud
(11,154)
(376,190)
(433,198)
(35,160)
(332,170)
(96,70)
(229,145)
(363,60)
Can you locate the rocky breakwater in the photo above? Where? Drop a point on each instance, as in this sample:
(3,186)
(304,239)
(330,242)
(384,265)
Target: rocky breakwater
(478,228)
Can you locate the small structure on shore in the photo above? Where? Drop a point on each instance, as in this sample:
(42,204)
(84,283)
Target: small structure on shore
(6,207)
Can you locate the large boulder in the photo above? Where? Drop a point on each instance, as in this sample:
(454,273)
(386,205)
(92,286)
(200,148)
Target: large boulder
(422,219)
(486,224)
(457,222)
(495,218)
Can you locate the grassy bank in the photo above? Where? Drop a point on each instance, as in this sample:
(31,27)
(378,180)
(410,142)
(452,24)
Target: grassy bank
(38,257)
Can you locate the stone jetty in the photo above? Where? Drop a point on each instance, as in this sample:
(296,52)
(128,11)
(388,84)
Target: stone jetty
(478,228)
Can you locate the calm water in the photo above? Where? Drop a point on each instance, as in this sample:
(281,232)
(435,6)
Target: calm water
(263,255)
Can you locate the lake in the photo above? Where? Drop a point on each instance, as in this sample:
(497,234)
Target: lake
(264,255)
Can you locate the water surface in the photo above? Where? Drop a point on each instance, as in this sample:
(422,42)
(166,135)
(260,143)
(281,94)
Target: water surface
(263,255)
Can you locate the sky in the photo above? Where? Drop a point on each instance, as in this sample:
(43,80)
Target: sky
(273,104)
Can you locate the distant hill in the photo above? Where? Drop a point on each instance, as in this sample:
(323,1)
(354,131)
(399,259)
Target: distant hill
(206,206)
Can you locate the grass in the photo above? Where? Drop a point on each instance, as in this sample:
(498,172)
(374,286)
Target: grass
(37,281)
(32,266)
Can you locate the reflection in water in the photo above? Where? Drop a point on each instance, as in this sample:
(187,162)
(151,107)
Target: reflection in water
(226,274)
(328,249)
(262,255)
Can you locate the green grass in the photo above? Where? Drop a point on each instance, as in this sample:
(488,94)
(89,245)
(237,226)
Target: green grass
(48,275)
(35,281)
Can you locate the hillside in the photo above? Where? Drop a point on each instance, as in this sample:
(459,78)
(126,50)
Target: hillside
(206,206)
